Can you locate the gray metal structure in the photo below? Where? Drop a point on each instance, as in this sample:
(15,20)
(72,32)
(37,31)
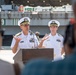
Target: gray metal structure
(39,22)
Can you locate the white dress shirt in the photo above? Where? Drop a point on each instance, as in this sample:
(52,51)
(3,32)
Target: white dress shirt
(55,42)
(26,42)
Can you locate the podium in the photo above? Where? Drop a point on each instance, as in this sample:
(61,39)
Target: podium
(24,55)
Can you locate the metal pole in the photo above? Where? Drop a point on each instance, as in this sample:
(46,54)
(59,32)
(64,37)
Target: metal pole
(0,19)
(0,33)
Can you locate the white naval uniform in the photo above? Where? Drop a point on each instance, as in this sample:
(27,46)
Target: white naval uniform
(26,42)
(55,42)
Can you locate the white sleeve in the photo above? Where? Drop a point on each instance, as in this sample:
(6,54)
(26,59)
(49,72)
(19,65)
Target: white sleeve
(13,43)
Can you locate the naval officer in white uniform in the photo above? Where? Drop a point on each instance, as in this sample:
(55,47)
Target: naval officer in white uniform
(53,40)
(24,39)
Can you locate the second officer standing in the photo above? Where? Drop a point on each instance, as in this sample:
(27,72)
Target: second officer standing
(53,40)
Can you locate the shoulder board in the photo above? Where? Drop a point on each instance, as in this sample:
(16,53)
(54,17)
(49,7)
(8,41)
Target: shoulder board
(60,35)
(31,33)
(18,34)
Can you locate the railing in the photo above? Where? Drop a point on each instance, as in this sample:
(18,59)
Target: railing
(11,18)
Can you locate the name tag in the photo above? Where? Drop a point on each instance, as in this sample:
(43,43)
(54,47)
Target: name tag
(58,40)
(21,41)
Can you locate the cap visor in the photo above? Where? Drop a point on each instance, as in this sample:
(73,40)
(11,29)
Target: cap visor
(53,25)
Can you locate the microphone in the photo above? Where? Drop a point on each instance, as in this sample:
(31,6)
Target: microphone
(31,33)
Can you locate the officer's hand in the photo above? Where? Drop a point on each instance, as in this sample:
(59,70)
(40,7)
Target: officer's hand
(17,39)
(45,37)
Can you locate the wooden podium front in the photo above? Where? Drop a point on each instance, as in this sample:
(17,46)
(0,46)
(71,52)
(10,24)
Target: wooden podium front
(26,54)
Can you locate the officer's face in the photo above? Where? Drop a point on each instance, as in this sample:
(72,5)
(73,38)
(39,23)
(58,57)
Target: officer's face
(25,27)
(53,29)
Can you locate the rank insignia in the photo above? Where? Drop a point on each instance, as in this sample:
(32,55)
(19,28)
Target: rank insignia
(32,40)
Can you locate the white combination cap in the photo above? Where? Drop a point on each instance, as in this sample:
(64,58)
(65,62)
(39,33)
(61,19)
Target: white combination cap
(53,23)
(24,20)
